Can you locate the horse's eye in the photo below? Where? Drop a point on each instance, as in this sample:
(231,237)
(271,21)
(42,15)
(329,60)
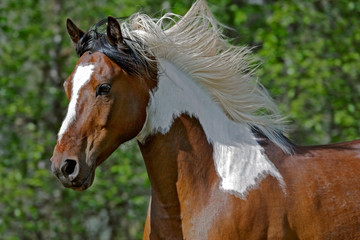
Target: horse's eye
(103,89)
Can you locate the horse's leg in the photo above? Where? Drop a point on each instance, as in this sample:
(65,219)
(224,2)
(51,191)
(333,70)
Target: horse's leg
(146,235)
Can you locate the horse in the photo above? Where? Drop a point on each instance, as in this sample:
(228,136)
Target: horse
(212,139)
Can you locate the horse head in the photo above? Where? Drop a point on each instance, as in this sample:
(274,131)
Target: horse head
(107,104)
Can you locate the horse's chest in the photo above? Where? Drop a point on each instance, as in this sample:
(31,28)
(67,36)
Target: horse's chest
(228,217)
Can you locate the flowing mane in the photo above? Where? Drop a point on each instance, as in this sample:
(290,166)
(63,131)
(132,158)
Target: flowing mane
(196,45)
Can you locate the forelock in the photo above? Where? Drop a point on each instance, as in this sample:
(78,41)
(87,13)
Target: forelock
(94,40)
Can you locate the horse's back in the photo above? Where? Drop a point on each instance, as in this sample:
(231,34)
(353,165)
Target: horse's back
(323,191)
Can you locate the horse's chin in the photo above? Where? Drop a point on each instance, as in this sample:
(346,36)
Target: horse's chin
(85,184)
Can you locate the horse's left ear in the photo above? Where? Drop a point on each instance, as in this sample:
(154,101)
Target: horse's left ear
(75,33)
(113,32)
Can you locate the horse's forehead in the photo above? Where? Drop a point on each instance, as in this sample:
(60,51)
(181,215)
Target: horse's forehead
(102,65)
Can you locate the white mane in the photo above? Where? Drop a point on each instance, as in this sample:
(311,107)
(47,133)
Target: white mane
(195,44)
(202,75)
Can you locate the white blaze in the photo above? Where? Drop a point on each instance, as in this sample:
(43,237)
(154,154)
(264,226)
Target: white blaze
(81,77)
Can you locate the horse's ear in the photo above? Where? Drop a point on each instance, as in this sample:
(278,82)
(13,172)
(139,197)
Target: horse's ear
(113,32)
(74,32)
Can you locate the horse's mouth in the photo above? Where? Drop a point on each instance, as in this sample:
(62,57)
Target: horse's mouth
(83,185)
(78,184)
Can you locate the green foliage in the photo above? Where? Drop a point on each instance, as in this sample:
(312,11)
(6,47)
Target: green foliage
(311,63)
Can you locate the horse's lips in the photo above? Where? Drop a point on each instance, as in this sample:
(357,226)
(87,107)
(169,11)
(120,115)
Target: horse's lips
(85,184)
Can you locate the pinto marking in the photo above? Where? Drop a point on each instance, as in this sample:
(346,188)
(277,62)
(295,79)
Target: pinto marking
(239,160)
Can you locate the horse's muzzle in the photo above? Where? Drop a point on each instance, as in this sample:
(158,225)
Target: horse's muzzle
(69,175)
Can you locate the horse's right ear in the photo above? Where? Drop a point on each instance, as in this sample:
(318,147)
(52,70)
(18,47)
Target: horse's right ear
(74,32)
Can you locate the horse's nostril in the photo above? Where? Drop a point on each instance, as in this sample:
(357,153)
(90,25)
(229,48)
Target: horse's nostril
(68,167)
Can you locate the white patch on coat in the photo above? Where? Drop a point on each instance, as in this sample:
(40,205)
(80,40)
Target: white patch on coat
(81,77)
(239,160)
(203,222)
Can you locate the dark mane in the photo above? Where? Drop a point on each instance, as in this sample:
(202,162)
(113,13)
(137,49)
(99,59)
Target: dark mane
(262,139)
(94,40)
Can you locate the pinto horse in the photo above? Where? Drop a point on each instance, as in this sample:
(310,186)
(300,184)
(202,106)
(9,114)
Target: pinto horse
(211,137)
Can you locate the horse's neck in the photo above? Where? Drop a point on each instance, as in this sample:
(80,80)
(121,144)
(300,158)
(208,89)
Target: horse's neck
(179,164)
(239,160)
(198,153)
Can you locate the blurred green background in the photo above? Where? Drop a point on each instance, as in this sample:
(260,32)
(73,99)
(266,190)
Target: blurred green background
(310,54)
